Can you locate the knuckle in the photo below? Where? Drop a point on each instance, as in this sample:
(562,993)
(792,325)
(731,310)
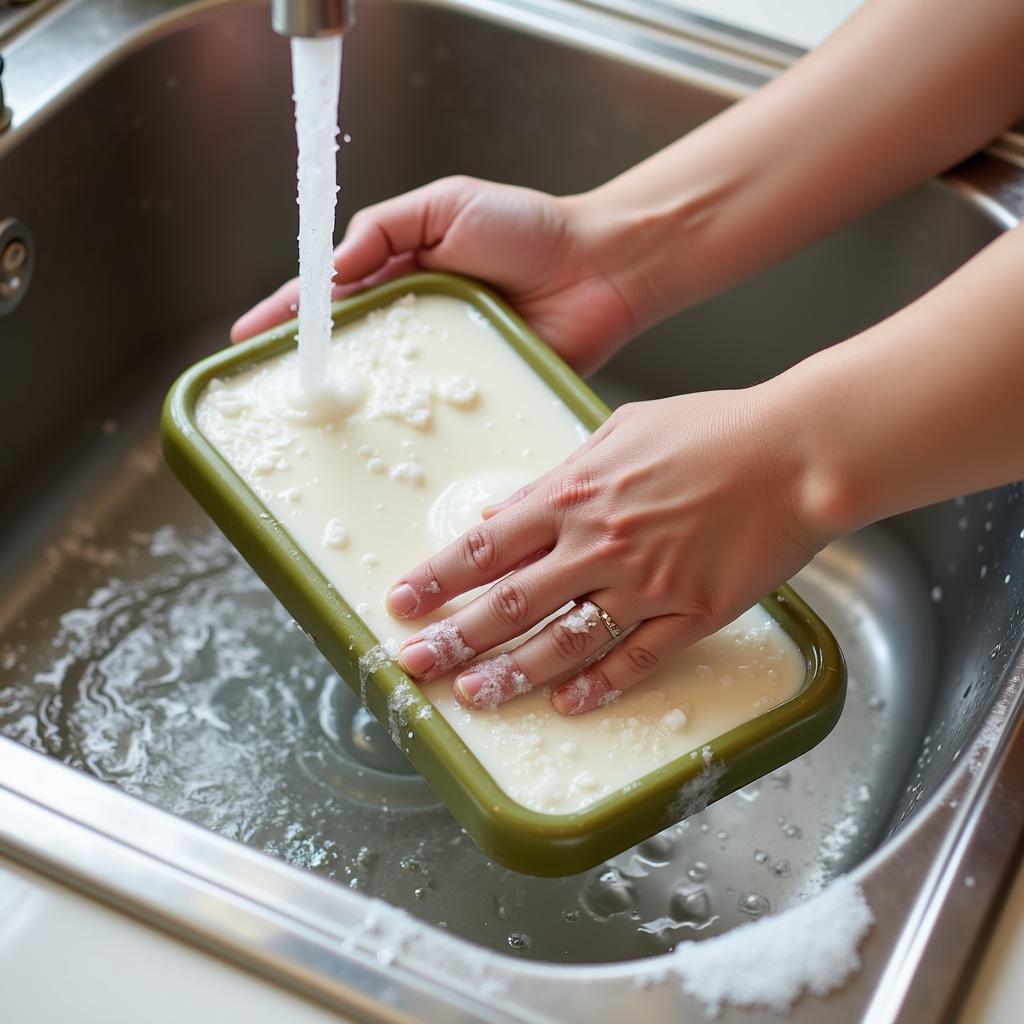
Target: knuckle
(612,542)
(641,659)
(660,585)
(567,644)
(572,490)
(362,217)
(509,602)
(700,613)
(457,183)
(480,550)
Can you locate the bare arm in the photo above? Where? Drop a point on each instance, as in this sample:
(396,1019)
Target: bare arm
(651,519)
(902,91)
(924,406)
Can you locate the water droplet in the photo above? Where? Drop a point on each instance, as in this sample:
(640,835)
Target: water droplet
(876,703)
(698,871)
(692,906)
(761,856)
(722,834)
(754,904)
(792,831)
(607,894)
(970,881)
(779,868)
(657,850)
(936,594)
(519,941)
(570,916)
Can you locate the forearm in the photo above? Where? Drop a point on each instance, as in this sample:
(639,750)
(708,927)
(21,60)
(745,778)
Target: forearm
(902,91)
(924,406)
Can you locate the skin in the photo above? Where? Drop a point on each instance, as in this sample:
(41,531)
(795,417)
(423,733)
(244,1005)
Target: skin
(919,408)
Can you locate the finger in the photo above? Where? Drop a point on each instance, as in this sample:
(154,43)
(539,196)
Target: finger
(408,223)
(400,266)
(269,313)
(635,658)
(511,607)
(479,556)
(564,645)
(550,476)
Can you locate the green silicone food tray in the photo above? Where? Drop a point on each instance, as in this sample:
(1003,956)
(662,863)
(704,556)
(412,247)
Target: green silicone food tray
(528,841)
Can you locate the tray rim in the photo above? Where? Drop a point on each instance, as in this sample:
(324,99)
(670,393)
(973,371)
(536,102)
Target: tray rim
(531,841)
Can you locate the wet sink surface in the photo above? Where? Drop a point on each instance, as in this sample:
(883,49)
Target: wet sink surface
(136,648)
(134,644)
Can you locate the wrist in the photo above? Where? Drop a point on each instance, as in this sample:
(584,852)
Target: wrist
(831,495)
(656,252)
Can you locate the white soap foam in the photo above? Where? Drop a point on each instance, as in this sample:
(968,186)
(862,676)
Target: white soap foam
(812,947)
(470,457)
(445,640)
(582,619)
(335,534)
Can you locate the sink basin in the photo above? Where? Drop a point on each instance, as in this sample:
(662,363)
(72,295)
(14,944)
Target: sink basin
(250,803)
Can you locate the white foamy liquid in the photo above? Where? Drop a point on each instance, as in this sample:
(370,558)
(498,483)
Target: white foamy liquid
(452,420)
(316,79)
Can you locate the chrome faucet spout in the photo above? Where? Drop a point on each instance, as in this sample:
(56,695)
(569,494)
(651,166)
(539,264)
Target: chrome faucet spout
(312,18)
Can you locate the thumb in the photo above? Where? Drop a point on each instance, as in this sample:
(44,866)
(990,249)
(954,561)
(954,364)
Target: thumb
(407,224)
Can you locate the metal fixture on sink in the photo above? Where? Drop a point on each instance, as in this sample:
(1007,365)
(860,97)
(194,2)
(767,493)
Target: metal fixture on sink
(5,111)
(15,264)
(313,18)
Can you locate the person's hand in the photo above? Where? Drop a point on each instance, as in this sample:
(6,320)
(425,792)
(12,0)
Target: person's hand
(552,258)
(675,517)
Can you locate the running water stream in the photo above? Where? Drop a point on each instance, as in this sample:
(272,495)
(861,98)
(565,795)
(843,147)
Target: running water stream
(316,80)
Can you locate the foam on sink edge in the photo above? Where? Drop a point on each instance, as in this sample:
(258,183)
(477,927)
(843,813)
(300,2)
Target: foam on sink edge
(812,947)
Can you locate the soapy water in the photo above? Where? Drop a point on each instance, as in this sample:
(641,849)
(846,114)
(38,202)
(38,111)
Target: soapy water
(316,79)
(154,659)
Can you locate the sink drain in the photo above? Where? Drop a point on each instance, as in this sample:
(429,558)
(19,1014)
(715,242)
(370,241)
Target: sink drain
(362,762)
(16,261)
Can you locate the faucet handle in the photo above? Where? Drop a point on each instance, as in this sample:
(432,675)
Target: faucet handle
(311,18)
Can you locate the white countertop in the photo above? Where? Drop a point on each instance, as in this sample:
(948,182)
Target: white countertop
(65,957)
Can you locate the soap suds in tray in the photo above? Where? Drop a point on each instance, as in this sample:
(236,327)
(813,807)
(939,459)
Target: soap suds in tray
(452,420)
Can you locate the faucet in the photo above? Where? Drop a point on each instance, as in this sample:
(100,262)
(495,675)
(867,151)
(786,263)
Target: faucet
(311,18)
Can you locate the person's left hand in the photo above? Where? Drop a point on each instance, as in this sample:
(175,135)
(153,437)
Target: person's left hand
(675,517)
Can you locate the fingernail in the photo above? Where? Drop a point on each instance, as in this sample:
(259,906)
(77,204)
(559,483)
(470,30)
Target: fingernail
(467,687)
(402,600)
(582,694)
(417,658)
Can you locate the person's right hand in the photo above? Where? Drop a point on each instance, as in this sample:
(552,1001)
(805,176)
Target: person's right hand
(550,258)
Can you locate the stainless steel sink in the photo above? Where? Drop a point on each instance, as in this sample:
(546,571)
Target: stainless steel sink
(250,805)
